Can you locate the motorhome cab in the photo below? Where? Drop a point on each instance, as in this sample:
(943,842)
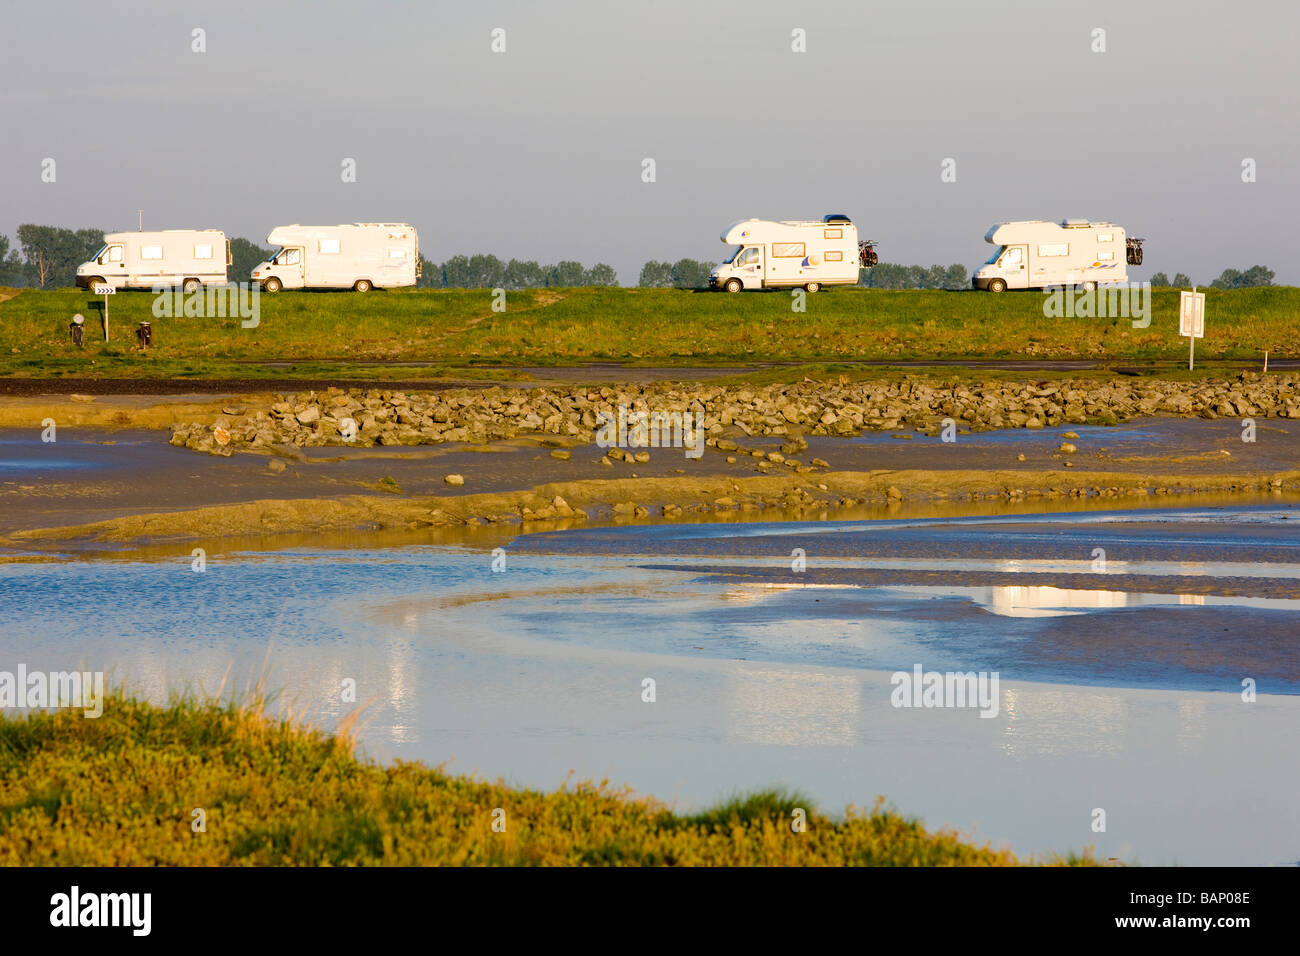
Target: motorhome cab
(1036,254)
(189,258)
(360,256)
(810,254)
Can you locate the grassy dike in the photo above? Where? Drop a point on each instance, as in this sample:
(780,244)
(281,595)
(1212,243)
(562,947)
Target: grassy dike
(120,790)
(320,333)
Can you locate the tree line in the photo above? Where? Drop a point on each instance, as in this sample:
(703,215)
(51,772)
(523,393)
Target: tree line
(489,272)
(1229,279)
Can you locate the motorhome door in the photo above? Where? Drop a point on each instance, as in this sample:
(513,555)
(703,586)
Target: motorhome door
(749,263)
(1015,266)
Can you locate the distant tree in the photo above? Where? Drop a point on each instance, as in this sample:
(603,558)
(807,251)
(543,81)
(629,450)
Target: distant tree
(1160,279)
(524,275)
(566,274)
(11,265)
(455,273)
(601,274)
(52,254)
(1252,277)
(956,278)
(245,256)
(1257,276)
(1181,280)
(656,275)
(934,277)
(691,274)
(430,275)
(486,272)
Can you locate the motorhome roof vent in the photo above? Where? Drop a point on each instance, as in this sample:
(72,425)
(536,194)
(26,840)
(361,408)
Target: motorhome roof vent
(836,217)
(1075,223)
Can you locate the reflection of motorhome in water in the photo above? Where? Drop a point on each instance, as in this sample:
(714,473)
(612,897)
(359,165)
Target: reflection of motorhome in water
(798,253)
(1036,254)
(189,258)
(360,256)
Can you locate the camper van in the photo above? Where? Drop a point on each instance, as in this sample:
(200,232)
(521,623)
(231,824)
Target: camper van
(797,253)
(189,258)
(1037,254)
(360,256)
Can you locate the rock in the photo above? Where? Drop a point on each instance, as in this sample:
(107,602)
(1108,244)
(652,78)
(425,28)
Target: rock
(1069,435)
(1068,448)
(455,480)
(641,456)
(561,454)
(1020,457)
(276,465)
(308,415)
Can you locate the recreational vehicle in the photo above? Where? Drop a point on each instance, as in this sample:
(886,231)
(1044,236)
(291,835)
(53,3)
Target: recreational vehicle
(360,256)
(1036,254)
(189,258)
(798,253)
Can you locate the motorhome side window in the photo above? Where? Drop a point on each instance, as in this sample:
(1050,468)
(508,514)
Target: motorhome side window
(749,257)
(114,253)
(1054,249)
(287,257)
(787,250)
(1012,257)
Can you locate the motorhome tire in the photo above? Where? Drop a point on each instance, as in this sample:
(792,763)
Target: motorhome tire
(997,285)
(271,285)
(813,286)
(361,285)
(191,285)
(733,285)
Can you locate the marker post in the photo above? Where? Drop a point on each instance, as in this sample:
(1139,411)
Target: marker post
(1191,321)
(105,290)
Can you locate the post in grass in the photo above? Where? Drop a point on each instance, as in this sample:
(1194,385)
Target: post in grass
(1191,321)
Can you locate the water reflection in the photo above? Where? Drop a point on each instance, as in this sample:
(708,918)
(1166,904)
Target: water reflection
(765,705)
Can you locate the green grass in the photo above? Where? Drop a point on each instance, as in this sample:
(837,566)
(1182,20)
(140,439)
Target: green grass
(121,790)
(326,333)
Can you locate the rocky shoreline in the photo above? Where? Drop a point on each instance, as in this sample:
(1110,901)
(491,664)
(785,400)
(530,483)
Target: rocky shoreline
(573,415)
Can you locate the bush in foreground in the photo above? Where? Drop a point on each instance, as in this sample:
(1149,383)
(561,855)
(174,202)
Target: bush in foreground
(122,790)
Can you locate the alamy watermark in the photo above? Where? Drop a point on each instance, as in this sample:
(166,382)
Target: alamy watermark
(39,689)
(1120,300)
(922,688)
(233,300)
(644,429)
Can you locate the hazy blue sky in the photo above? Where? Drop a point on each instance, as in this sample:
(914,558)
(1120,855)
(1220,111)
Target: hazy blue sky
(536,153)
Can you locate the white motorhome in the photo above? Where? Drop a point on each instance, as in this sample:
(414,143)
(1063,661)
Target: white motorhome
(790,254)
(360,256)
(189,258)
(1035,254)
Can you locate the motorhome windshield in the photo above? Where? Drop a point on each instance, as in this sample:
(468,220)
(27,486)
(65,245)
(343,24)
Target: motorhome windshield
(731,254)
(994,258)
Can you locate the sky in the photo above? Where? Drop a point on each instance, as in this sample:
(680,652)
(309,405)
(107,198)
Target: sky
(538,152)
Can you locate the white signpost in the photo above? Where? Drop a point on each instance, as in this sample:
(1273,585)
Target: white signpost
(105,290)
(1191,321)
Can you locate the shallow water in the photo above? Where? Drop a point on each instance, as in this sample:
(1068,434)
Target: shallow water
(1111,696)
